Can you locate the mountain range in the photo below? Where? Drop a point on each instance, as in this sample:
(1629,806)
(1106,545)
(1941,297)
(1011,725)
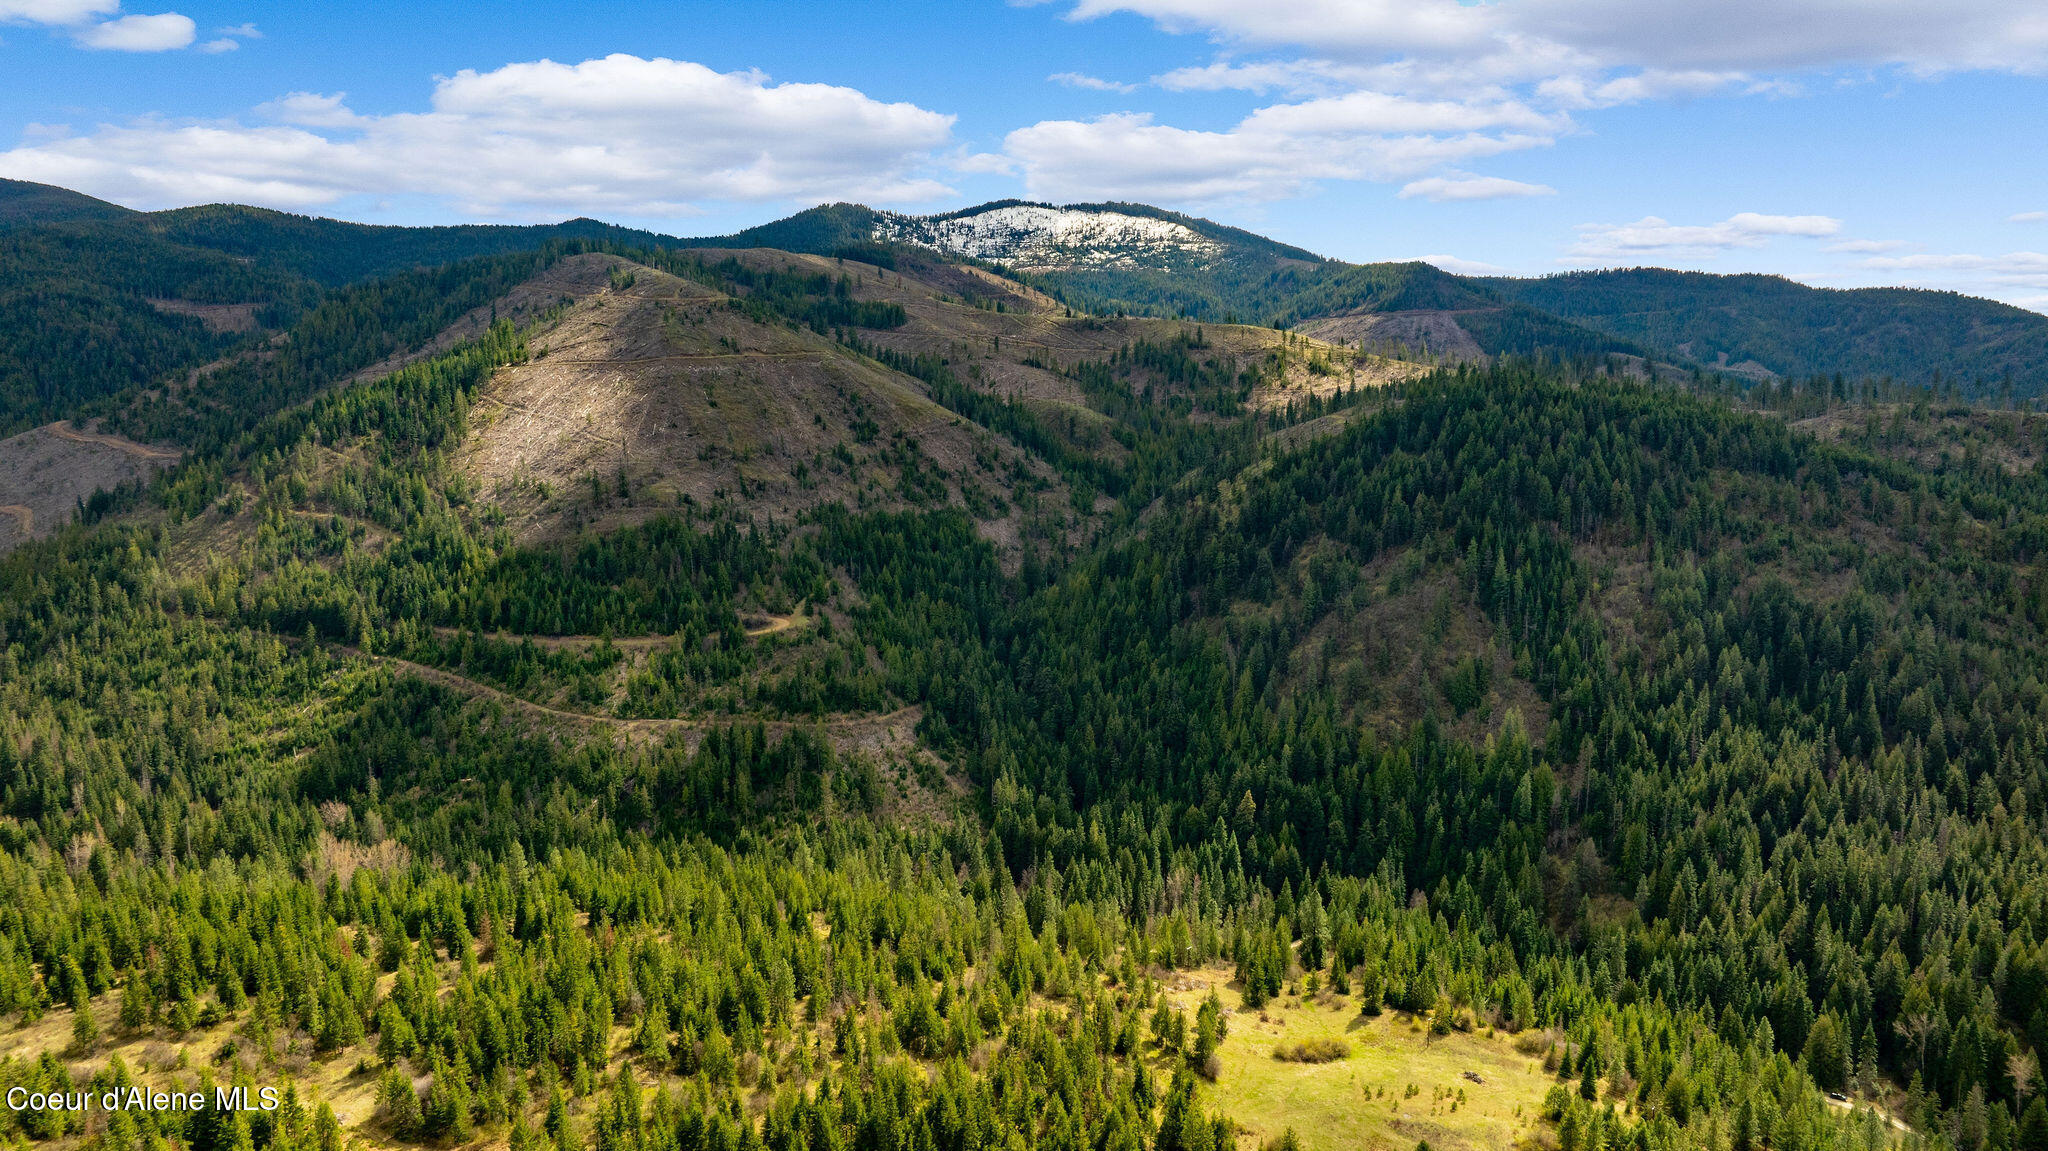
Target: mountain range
(96,299)
(1058,678)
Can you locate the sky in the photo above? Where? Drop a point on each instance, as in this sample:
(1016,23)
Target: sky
(1844,143)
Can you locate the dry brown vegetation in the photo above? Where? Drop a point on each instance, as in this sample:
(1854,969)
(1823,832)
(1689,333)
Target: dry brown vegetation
(2013,441)
(218,318)
(654,393)
(45,471)
(1321,1050)
(1417,334)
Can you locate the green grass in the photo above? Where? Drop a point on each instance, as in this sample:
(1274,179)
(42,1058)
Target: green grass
(1362,1101)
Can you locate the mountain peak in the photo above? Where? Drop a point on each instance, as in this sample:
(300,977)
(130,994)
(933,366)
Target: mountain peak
(1042,237)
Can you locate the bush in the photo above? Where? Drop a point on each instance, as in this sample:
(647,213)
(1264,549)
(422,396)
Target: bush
(1313,1051)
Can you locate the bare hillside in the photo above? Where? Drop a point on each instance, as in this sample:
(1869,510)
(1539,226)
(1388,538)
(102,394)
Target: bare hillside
(650,391)
(45,471)
(1012,340)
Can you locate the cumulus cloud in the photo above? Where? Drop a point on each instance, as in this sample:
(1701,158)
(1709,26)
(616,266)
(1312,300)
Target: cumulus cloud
(55,11)
(93,24)
(646,138)
(1275,152)
(1653,236)
(1673,35)
(1439,189)
(160,33)
(1556,57)
(1128,156)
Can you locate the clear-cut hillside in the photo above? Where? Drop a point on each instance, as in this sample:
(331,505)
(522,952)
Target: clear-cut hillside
(650,391)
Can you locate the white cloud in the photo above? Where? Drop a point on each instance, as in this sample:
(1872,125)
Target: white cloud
(55,11)
(1439,189)
(1578,91)
(95,24)
(1866,246)
(1092,83)
(159,33)
(2019,278)
(1127,156)
(1458,267)
(1553,57)
(1292,77)
(312,110)
(620,135)
(1653,236)
(229,39)
(1275,152)
(2026,217)
(1676,35)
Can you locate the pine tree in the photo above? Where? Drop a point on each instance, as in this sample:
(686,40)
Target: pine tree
(2033,1134)
(398,1103)
(1179,1112)
(1315,932)
(85,1030)
(136,1002)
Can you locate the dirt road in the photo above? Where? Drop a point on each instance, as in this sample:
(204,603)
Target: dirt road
(63,430)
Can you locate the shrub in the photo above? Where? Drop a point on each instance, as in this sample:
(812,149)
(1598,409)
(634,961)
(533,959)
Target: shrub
(1313,1051)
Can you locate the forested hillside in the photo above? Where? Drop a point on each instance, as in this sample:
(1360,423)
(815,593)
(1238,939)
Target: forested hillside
(960,719)
(96,301)
(23,203)
(1133,259)
(1770,325)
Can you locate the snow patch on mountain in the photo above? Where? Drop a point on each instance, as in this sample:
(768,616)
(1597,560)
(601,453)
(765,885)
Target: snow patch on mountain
(1034,237)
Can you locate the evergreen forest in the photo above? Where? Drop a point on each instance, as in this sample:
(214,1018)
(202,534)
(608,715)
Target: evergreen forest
(1682,741)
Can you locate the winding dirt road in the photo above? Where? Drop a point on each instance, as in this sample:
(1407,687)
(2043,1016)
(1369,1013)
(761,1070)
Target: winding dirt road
(847,732)
(65,431)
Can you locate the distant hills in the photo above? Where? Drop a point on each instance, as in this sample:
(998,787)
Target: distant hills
(1141,260)
(96,298)
(1768,324)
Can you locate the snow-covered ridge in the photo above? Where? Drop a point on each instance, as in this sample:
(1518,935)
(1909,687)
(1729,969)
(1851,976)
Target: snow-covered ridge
(1032,237)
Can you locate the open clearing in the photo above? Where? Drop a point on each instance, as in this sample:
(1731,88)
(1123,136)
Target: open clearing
(1362,1101)
(45,471)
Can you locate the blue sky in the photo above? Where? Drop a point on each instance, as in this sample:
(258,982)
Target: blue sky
(1842,142)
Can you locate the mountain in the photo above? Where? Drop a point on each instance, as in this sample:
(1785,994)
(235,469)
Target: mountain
(1136,259)
(97,300)
(1764,326)
(644,697)
(1142,260)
